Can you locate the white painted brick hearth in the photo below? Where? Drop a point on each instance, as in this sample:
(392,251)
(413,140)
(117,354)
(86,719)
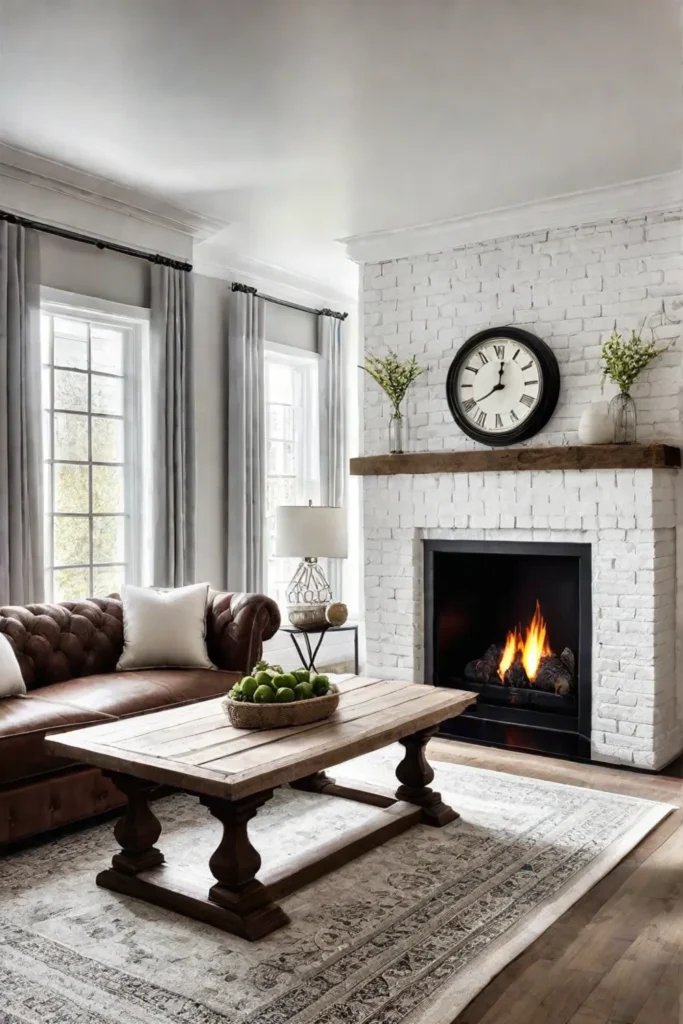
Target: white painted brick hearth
(571,287)
(628,517)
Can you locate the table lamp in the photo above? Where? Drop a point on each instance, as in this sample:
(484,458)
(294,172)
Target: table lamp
(309,532)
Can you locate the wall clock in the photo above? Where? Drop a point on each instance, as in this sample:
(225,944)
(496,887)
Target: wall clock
(503,386)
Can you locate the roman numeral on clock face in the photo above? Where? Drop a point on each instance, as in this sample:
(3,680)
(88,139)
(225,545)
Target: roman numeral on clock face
(527,400)
(500,351)
(469,404)
(481,419)
(528,366)
(513,416)
(499,420)
(472,369)
(530,383)
(483,358)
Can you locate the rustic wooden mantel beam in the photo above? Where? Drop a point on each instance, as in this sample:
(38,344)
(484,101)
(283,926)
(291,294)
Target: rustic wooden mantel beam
(496,460)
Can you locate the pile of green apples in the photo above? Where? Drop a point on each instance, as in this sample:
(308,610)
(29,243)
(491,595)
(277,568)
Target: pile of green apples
(269,684)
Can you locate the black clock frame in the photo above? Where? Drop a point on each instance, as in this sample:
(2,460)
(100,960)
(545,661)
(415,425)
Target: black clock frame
(549,387)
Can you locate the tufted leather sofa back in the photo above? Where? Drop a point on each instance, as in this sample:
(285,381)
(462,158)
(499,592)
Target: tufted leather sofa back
(56,642)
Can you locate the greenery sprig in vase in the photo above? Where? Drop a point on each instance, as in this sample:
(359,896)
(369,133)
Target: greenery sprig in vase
(622,362)
(394,376)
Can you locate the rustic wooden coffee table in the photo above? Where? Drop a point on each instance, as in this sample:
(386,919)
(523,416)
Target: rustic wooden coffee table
(234,772)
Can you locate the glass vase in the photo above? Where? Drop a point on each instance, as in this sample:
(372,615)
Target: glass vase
(623,412)
(395,434)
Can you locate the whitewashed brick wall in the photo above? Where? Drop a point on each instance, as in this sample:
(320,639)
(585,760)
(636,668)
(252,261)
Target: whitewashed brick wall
(569,286)
(628,517)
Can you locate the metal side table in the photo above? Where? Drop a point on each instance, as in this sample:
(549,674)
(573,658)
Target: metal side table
(307,657)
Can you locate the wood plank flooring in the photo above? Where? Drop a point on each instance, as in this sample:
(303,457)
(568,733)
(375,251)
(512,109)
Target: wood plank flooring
(616,957)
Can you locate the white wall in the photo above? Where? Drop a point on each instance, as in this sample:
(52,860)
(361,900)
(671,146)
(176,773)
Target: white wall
(100,273)
(570,286)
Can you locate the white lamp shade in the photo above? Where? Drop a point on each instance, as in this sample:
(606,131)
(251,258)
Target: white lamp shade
(310,531)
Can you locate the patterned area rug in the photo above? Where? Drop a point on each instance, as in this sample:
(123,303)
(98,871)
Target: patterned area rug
(408,933)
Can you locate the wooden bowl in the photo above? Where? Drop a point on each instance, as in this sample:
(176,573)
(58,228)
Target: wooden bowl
(276,716)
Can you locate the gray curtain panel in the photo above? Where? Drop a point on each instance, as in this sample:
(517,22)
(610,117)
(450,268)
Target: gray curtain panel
(246,478)
(22,578)
(172,404)
(332,426)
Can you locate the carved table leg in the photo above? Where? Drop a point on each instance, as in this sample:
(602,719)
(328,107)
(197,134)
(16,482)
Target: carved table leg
(138,829)
(235,864)
(414,773)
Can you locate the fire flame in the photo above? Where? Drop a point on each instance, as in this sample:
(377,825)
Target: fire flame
(534,647)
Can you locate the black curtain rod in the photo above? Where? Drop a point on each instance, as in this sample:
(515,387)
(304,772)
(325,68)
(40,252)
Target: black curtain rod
(237,287)
(99,243)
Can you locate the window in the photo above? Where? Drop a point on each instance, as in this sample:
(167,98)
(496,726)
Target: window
(92,362)
(292,453)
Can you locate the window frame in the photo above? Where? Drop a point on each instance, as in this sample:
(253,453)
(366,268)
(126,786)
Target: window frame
(134,322)
(306,426)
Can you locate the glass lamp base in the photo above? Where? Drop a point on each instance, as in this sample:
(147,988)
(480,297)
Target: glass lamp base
(308,595)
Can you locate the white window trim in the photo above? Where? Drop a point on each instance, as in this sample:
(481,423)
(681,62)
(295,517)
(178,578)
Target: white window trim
(311,451)
(299,357)
(88,304)
(135,319)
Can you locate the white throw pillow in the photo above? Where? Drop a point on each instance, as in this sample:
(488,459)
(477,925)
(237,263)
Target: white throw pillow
(11,680)
(164,628)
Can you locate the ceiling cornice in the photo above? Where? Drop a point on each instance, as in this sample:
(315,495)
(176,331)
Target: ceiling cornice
(62,180)
(215,261)
(628,199)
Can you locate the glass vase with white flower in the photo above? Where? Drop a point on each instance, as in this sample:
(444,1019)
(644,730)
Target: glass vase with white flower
(623,360)
(394,376)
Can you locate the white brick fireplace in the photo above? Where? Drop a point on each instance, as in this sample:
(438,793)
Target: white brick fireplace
(629,519)
(571,287)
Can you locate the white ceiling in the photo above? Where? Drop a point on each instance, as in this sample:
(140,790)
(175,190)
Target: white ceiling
(298,122)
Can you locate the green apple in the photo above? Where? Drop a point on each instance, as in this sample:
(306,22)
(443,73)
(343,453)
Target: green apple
(320,684)
(303,691)
(302,675)
(284,695)
(248,686)
(262,678)
(264,695)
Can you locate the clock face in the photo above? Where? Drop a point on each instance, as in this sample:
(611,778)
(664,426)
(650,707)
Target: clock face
(503,386)
(499,385)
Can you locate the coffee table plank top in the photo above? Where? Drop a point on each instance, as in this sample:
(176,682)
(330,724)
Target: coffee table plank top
(196,748)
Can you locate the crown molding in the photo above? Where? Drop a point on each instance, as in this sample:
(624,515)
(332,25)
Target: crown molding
(215,261)
(64,196)
(628,199)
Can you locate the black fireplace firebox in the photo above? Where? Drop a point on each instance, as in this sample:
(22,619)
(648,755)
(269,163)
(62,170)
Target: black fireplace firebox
(512,622)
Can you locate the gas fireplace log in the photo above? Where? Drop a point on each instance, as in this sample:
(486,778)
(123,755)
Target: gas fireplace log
(485,669)
(568,660)
(553,675)
(516,676)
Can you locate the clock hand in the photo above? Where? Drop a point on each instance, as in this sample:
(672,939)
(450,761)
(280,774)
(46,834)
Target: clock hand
(498,387)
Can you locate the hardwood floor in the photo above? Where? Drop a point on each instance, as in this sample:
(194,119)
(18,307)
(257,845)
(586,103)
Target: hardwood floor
(617,956)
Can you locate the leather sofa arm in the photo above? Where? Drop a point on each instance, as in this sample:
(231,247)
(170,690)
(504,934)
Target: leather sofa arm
(237,625)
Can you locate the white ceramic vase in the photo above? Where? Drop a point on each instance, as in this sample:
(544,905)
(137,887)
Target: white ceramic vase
(595,425)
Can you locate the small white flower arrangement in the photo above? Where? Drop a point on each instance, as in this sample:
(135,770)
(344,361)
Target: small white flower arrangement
(624,360)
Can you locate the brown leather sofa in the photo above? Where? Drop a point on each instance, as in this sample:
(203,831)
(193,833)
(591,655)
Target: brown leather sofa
(68,654)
